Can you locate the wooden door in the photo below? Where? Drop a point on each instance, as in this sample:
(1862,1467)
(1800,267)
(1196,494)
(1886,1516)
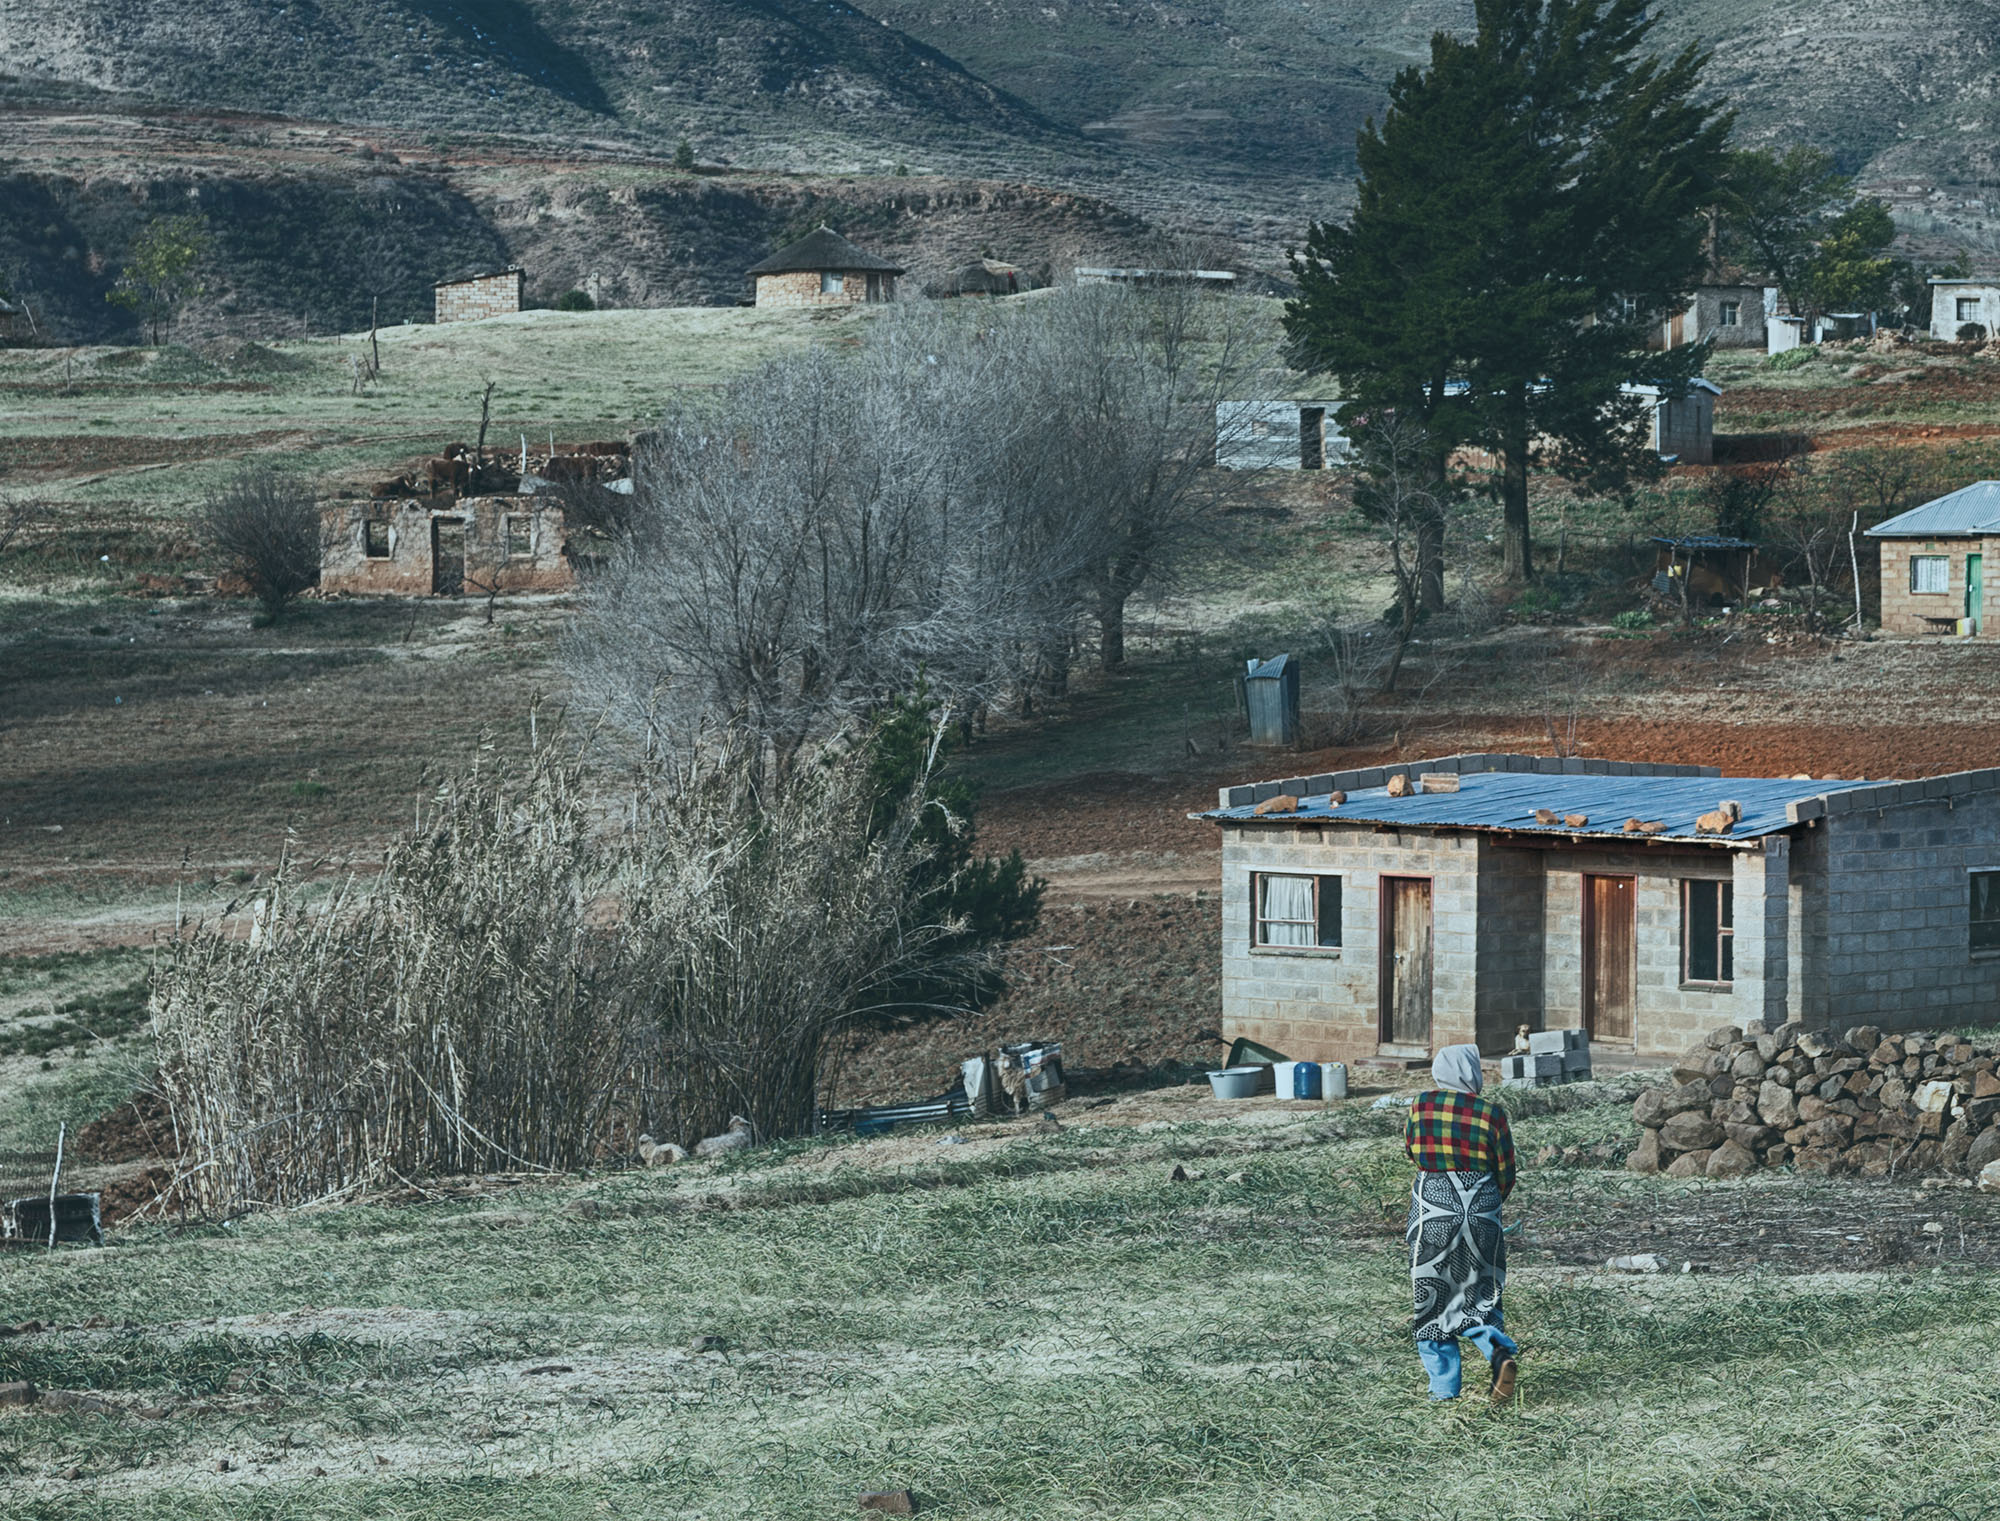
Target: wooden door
(1406,962)
(1610,953)
(1312,438)
(448,557)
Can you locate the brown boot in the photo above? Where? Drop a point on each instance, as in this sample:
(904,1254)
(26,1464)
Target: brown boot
(1506,1372)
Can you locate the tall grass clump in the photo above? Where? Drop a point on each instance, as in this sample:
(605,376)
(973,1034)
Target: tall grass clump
(536,974)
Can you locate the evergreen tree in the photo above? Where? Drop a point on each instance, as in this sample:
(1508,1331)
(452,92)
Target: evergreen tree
(1529,207)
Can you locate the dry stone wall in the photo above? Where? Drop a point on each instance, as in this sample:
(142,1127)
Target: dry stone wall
(1860,1102)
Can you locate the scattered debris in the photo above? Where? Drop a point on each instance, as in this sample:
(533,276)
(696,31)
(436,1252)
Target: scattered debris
(1048,1124)
(1437,781)
(1545,816)
(547,1368)
(1399,785)
(1552,1057)
(1284,802)
(1576,820)
(1335,799)
(1725,818)
(1643,1262)
(1394,1101)
(708,1342)
(1645,826)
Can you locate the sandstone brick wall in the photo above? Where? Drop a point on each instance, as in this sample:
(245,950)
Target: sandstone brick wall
(483,296)
(802,288)
(1904,611)
(407,570)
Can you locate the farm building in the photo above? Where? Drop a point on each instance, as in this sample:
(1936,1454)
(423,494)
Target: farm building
(1681,428)
(1277,435)
(1708,570)
(984,277)
(490,295)
(1503,890)
(13,320)
(474,545)
(823,269)
(1203,279)
(1936,560)
(1959,304)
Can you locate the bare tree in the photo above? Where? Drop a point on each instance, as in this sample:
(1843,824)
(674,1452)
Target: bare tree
(1401,491)
(266,527)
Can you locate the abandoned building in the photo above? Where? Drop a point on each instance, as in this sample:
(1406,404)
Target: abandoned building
(13,321)
(477,546)
(490,295)
(1708,569)
(823,269)
(1367,918)
(1278,435)
(1958,305)
(1935,560)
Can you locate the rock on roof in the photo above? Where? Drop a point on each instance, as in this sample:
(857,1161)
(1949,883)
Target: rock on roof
(823,250)
(1970,510)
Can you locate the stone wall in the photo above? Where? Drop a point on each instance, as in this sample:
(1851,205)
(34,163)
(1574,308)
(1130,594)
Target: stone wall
(407,570)
(1904,611)
(802,288)
(1863,1101)
(495,295)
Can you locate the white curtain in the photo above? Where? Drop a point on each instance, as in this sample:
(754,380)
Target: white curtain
(1287,898)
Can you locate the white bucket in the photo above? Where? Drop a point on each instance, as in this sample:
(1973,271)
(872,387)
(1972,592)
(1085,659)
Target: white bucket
(1333,1080)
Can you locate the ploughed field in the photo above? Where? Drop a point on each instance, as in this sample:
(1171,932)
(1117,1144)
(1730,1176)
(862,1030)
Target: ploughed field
(1012,1322)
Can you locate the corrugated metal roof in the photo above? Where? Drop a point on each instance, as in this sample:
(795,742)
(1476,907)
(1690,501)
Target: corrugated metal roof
(1706,541)
(1507,800)
(1973,509)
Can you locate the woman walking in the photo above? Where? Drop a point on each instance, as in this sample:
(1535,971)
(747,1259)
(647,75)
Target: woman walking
(1458,1258)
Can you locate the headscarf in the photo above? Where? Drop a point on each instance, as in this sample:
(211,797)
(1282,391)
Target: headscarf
(1457,1068)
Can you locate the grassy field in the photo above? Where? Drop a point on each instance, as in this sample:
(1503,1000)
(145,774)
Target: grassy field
(1022,1325)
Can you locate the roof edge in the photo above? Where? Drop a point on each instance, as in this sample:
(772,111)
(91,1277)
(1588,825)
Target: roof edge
(1463,764)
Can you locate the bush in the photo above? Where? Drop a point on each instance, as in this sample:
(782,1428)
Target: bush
(575,301)
(266,528)
(1972,332)
(524,986)
(1633,618)
(684,155)
(1793,359)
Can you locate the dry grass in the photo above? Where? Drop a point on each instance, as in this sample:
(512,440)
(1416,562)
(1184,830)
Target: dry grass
(1029,1326)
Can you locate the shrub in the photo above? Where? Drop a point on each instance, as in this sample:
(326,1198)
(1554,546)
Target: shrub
(1633,618)
(1972,332)
(684,155)
(266,528)
(1793,359)
(575,301)
(528,983)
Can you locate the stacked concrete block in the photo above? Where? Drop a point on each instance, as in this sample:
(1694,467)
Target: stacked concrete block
(1553,1056)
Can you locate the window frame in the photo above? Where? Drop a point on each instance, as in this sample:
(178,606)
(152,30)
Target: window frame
(1972,923)
(1725,932)
(1320,946)
(368,527)
(1930,559)
(508,520)
(1730,314)
(1967,308)
(832,282)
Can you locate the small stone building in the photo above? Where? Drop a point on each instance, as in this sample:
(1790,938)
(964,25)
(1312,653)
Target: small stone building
(1936,560)
(473,546)
(1507,890)
(823,269)
(1729,314)
(491,295)
(1957,304)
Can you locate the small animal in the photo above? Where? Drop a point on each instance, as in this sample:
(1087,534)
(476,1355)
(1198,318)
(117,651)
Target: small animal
(654,1153)
(735,1138)
(1722,820)
(1284,802)
(1521,1034)
(1399,785)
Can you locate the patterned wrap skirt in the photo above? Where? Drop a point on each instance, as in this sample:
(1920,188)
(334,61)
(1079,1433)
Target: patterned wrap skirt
(1458,1258)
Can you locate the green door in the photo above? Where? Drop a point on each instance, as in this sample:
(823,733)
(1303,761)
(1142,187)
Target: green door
(1973,590)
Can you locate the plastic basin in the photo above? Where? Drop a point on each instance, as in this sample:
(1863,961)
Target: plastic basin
(1234,1082)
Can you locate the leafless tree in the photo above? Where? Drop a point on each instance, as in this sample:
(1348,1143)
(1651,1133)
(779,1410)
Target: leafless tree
(266,527)
(19,516)
(1401,491)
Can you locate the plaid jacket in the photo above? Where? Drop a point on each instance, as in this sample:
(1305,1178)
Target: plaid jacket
(1460,1132)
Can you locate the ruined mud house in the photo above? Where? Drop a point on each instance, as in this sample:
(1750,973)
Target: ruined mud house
(1378,915)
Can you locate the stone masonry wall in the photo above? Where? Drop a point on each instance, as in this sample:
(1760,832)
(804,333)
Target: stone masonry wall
(345,565)
(1904,611)
(495,295)
(801,288)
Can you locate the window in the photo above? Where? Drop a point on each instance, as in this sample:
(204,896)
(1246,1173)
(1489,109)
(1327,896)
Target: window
(1732,314)
(1295,911)
(1930,575)
(1968,308)
(831,284)
(517,532)
(375,538)
(1628,309)
(1985,892)
(1708,932)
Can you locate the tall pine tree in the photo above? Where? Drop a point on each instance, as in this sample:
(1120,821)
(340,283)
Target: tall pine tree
(1530,205)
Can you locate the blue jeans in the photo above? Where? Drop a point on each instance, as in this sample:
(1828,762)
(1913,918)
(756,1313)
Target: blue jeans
(1441,1358)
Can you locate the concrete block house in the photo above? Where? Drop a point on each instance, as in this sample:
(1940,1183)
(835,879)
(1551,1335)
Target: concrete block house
(823,269)
(1960,304)
(1502,890)
(499,294)
(415,548)
(1936,561)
